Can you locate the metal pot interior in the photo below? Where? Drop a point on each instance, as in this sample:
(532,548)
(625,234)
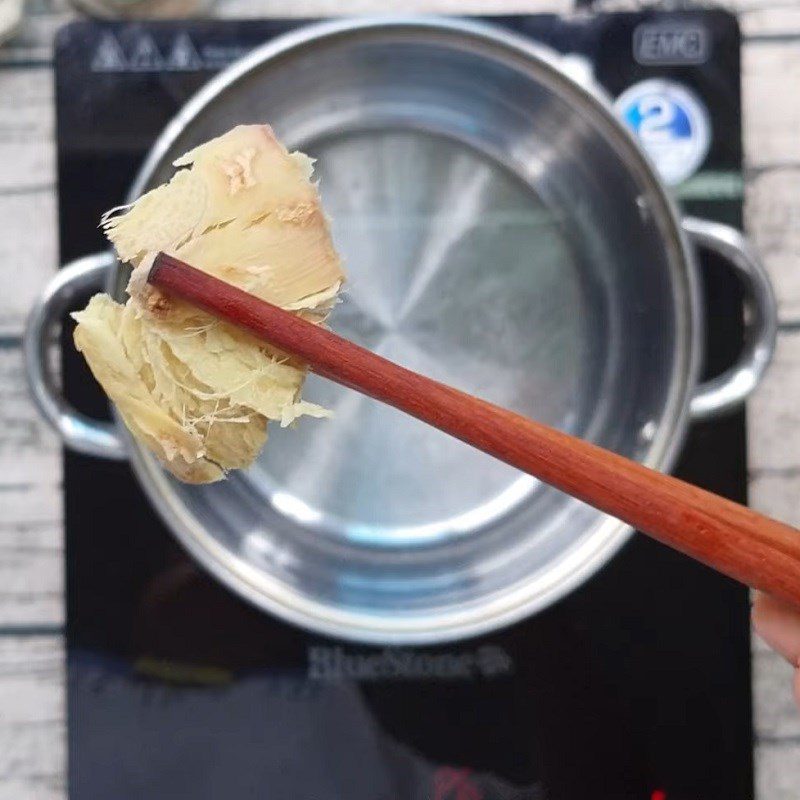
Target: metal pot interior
(501,234)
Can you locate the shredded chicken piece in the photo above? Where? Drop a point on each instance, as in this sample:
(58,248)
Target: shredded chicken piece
(195,390)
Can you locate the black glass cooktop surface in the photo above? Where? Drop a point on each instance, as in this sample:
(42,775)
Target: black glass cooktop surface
(635,687)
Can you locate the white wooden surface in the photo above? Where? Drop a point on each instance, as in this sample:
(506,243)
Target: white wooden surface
(32,717)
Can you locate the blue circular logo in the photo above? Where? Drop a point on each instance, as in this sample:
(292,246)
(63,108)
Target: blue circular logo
(671,124)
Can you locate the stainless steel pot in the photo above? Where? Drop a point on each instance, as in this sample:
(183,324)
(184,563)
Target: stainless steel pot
(504,234)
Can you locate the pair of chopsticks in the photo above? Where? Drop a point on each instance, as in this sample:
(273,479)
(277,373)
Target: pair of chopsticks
(754,549)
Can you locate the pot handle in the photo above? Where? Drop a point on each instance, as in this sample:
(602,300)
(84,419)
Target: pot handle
(78,432)
(728,390)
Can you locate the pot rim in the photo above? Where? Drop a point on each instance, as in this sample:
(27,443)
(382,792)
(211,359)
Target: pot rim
(569,572)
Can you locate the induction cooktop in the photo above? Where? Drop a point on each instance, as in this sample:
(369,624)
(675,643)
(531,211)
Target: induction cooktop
(635,687)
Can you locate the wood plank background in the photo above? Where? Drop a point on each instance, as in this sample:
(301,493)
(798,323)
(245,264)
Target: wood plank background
(32,717)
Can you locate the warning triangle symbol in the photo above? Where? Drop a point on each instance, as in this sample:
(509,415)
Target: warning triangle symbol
(183,57)
(145,56)
(109,56)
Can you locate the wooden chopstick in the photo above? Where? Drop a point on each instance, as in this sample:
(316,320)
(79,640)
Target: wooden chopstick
(754,549)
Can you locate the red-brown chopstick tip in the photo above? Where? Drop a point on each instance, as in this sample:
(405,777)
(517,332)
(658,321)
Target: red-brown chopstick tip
(159,262)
